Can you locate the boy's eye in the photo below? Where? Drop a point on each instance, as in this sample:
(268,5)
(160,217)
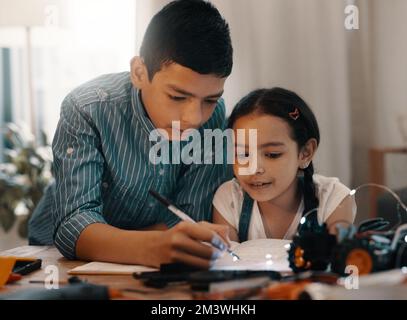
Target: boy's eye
(273,155)
(177,98)
(211,101)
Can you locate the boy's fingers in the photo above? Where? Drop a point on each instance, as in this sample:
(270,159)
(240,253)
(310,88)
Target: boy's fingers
(196,231)
(192,260)
(221,230)
(197,248)
(201,232)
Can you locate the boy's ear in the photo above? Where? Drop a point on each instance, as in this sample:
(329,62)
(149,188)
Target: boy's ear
(308,151)
(139,74)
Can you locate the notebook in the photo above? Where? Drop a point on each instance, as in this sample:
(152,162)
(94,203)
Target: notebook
(105,268)
(258,254)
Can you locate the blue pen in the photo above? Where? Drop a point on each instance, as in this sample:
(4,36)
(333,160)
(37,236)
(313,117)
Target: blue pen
(216,242)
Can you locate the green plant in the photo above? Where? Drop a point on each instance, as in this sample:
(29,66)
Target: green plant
(23,177)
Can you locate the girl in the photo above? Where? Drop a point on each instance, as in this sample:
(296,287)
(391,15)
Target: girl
(271,202)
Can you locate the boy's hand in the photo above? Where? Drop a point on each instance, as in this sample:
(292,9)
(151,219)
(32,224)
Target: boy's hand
(185,243)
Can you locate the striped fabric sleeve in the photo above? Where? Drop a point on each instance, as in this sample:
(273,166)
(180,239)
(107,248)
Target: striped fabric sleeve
(78,168)
(199,182)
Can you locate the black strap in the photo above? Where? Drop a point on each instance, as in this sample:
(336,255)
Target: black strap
(245,217)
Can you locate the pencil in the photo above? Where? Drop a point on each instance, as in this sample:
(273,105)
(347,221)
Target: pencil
(183,216)
(48,282)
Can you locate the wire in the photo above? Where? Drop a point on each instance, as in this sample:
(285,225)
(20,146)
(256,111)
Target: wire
(339,221)
(304,217)
(353,192)
(399,202)
(399,256)
(397,235)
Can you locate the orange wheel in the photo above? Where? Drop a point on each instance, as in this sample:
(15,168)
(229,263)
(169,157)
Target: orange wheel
(299,252)
(298,257)
(361,259)
(297,261)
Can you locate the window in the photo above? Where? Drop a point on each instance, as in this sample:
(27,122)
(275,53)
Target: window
(77,41)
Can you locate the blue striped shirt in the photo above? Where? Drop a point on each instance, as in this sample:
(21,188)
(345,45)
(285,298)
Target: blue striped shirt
(102,170)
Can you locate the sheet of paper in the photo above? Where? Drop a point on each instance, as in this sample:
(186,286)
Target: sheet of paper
(259,254)
(101,268)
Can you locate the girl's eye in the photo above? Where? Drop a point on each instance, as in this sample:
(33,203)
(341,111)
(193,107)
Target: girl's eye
(176,98)
(273,155)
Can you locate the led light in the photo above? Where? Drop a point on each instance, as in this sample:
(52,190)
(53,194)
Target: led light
(352,192)
(287,246)
(302,221)
(268,256)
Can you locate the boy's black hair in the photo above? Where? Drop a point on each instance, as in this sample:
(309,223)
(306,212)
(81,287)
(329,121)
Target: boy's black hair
(280,103)
(191,33)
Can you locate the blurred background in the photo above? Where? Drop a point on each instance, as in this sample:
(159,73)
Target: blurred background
(354,80)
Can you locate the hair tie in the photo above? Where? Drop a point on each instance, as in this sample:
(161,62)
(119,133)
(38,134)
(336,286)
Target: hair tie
(295,114)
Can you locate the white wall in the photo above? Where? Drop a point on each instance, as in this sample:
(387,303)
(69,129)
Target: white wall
(389,51)
(299,45)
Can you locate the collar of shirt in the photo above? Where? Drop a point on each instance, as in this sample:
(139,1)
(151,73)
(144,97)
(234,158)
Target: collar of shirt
(139,111)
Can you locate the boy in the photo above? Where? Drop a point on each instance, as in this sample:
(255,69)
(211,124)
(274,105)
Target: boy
(99,204)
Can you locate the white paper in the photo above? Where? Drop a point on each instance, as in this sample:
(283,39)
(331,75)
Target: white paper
(109,268)
(259,254)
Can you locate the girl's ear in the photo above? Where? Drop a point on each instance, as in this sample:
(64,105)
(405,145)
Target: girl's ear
(307,152)
(139,74)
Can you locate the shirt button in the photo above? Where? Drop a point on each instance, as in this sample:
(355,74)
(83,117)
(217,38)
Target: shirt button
(151,205)
(161,172)
(69,150)
(105,184)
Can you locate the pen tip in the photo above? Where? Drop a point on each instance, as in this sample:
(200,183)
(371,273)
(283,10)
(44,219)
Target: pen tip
(234,255)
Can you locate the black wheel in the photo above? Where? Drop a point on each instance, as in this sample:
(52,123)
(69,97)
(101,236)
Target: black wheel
(311,251)
(353,252)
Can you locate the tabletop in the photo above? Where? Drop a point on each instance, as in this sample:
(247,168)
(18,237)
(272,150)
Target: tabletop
(131,288)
